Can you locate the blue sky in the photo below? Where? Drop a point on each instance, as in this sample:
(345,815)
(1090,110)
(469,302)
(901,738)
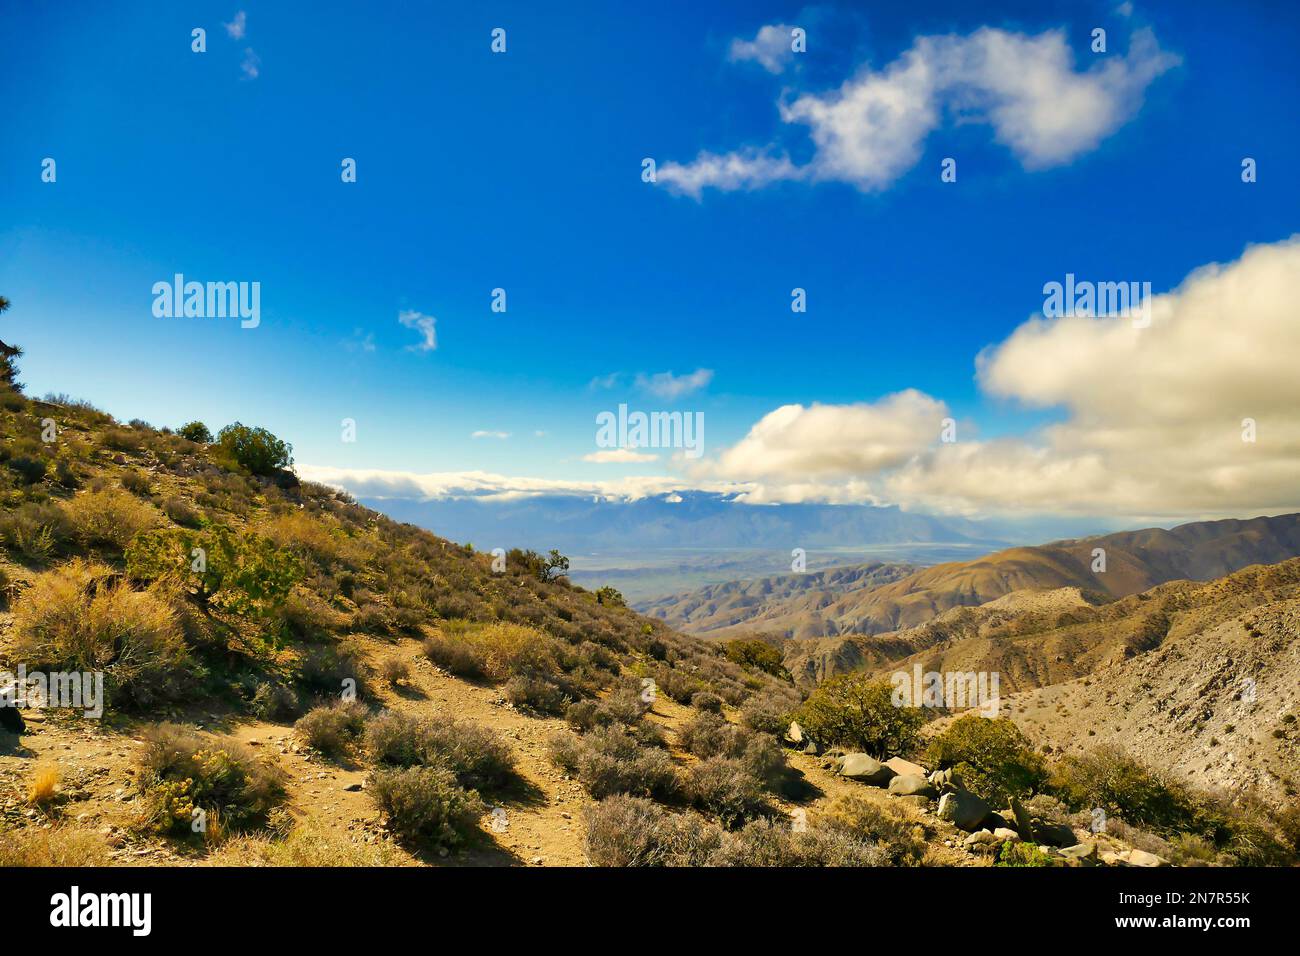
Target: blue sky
(522,171)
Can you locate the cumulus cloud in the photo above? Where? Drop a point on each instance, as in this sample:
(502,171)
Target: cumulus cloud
(426,325)
(1152,418)
(796,442)
(611,456)
(772,48)
(871,130)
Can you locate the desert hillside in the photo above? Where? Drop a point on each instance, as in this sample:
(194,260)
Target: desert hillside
(1134,561)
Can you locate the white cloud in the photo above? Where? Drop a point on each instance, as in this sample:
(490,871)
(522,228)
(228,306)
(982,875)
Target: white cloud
(502,436)
(665,385)
(251,64)
(797,442)
(668,386)
(872,129)
(425,325)
(1152,417)
(618,456)
(236,28)
(374,483)
(771,48)
(746,169)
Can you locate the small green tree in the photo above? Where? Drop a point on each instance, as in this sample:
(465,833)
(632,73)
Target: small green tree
(8,370)
(255,449)
(196,432)
(556,565)
(992,756)
(755,653)
(609,596)
(244,574)
(852,710)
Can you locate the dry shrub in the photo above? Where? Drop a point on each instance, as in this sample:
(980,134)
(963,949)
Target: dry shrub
(426,805)
(633,831)
(109,518)
(609,760)
(180,772)
(394,670)
(78,617)
(333,729)
(475,754)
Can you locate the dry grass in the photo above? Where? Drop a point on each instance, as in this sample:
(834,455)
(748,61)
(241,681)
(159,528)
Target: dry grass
(306,847)
(44,786)
(58,847)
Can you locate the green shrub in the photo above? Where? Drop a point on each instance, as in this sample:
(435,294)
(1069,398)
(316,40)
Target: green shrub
(29,469)
(991,755)
(426,805)
(856,711)
(241,573)
(1014,853)
(333,729)
(255,449)
(759,654)
(195,432)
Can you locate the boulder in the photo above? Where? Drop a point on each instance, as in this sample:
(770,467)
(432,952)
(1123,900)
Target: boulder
(1054,834)
(981,837)
(1023,823)
(1080,851)
(794,734)
(912,785)
(810,748)
(963,809)
(905,768)
(865,769)
(1143,858)
(1005,833)
(946,780)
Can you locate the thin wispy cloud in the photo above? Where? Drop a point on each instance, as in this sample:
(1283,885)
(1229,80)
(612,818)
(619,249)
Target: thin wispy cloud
(501,436)
(872,130)
(251,65)
(665,385)
(668,386)
(237,27)
(771,48)
(426,325)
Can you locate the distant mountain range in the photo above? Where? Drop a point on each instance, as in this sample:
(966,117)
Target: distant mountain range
(680,520)
(1134,561)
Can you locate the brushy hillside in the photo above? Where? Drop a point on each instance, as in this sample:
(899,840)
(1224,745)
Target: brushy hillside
(293,679)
